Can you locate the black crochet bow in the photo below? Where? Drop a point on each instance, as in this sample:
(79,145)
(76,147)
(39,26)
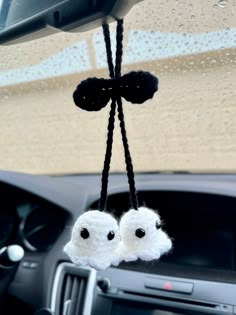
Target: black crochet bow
(136,87)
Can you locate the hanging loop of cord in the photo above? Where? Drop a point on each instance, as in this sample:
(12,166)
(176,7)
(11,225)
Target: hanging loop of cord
(128,160)
(111,125)
(135,87)
(116,100)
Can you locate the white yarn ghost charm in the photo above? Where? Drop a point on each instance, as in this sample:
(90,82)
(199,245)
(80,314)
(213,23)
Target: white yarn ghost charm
(94,240)
(142,236)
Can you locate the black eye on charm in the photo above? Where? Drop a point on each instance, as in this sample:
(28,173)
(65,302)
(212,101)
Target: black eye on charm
(110,235)
(158,225)
(84,233)
(140,233)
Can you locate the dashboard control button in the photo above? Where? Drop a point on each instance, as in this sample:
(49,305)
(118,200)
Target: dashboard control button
(25,264)
(33,265)
(29,264)
(168,285)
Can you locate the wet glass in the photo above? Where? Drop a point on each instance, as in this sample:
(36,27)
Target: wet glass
(189,125)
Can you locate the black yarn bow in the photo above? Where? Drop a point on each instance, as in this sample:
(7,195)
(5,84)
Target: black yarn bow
(136,87)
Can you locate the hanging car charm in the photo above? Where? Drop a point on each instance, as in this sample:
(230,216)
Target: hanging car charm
(96,238)
(142,236)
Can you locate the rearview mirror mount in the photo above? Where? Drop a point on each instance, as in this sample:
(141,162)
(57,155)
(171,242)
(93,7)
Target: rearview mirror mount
(23,20)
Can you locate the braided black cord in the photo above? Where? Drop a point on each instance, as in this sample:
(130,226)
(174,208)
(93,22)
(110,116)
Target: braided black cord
(119,47)
(128,160)
(111,122)
(106,34)
(110,127)
(107,160)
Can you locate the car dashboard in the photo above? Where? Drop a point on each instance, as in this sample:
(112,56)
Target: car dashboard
(197,277)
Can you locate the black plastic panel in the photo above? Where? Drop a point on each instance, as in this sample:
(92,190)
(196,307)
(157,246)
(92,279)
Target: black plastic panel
(206,297)
(202,225)
(26,20)
(198,200)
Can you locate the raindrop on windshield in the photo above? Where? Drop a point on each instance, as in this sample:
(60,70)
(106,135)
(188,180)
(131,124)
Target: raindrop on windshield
(220,4)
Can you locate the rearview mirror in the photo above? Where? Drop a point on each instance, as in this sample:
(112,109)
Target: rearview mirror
(22,20)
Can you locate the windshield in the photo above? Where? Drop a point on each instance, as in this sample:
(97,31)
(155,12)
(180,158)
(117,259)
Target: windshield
(190,125)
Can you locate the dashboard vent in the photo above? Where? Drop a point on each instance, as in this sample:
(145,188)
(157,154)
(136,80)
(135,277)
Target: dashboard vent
(73,289)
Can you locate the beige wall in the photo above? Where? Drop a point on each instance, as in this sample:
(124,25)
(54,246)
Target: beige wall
(189,125)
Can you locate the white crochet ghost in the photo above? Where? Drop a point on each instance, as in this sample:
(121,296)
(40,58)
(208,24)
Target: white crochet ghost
(94,240)
(142,236)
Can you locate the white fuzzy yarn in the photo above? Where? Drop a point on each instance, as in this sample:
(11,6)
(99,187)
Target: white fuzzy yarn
(154,243)
(96,251)
(99,252)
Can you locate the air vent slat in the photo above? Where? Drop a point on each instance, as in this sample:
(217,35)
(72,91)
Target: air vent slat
(68,288)
(73,290)
(80,300)
(74,295)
